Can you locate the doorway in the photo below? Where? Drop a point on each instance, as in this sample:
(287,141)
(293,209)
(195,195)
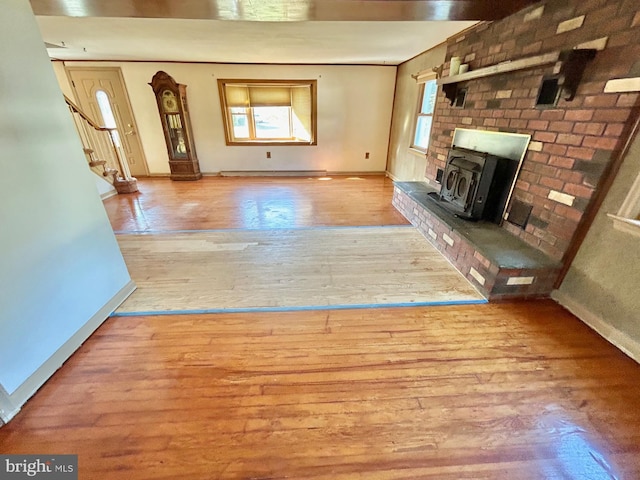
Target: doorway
(101,93)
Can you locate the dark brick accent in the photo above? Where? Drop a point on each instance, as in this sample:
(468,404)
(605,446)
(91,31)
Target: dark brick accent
(594,169)
(602,156)
(581,203)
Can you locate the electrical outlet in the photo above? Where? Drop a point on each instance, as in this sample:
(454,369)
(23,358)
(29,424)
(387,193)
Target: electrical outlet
(366,155)
(268,154)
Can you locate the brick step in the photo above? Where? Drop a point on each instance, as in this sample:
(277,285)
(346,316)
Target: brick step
(498,264)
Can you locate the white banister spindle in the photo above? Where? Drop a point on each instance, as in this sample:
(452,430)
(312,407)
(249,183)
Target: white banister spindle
(122,160)
(103,144)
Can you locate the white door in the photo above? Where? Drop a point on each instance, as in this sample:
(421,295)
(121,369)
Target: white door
(95,86)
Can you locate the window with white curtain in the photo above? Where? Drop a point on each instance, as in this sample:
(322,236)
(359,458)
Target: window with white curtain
(424,115)
(108,120)
(264,112)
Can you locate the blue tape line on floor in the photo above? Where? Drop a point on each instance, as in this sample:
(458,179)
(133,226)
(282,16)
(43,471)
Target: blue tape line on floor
(298,309)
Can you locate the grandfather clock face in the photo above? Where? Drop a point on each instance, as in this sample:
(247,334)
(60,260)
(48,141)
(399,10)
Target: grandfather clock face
(175,128)
(169,102)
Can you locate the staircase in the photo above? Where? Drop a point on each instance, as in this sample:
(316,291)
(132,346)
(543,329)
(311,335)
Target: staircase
(101,146)
(100,167)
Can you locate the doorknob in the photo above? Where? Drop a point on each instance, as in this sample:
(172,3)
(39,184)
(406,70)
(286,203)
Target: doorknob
(130,132)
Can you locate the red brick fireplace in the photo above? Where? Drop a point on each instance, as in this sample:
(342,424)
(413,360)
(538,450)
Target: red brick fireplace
(572,141)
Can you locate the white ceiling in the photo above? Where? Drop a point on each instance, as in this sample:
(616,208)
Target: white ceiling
(309,42)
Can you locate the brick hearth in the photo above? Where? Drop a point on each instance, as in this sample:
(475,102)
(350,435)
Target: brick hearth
(498,264)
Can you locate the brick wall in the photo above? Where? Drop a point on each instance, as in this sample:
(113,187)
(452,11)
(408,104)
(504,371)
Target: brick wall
(572,142)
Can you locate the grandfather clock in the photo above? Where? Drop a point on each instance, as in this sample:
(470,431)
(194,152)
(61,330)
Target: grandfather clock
(174,115)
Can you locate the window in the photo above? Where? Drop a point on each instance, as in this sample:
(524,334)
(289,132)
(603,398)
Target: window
(628,217)
(262,112)
(108,120)
(424,116)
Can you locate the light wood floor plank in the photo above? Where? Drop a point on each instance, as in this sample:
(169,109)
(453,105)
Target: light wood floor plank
(288,268)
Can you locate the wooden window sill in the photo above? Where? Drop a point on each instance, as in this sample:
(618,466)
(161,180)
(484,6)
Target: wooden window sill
(417,152)
(627,225)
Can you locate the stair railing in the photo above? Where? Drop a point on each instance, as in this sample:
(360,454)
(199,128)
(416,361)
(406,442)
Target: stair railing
(101,145)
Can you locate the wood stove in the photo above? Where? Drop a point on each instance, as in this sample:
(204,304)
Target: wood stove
(476,185)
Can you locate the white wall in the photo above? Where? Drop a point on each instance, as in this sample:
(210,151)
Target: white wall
(354,116)
(60,265)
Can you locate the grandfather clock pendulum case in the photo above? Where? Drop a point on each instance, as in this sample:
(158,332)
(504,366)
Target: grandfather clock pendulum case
(174,115)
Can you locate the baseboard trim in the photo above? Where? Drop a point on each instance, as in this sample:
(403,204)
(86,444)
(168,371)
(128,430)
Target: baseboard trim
(396,179)
(356,174)
(7,408)
(10,405)
(109,194)
(273,173)
(280,173)
(619,339)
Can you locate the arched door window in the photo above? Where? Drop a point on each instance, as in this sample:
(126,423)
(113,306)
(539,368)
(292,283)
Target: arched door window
(107,114)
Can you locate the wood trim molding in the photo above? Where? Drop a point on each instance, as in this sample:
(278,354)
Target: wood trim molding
(630,208)
(227,120)
(504,67)
(627,225)
(424,76)
(619,339)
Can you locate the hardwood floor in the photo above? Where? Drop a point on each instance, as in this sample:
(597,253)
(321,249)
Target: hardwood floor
(507,391)
(322,268)
(498,391)
(232,202)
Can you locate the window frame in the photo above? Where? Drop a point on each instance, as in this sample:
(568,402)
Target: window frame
(419,114)
(227,119)
(627,218)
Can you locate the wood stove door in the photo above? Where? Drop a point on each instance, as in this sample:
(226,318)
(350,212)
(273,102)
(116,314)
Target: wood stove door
(458,187)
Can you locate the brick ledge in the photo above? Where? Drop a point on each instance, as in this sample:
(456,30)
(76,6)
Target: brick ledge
(498,264)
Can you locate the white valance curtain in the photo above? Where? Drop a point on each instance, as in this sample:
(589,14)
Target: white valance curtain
(424,76)
(258,95)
